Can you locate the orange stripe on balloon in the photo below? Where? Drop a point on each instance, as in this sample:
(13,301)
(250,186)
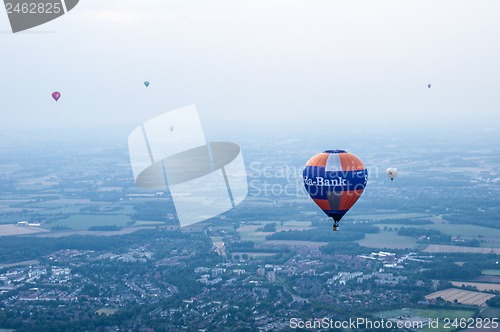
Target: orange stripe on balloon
(318,160)
(348,199)
(322,203)
(350,162)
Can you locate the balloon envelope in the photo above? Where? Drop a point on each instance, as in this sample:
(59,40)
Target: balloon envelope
(335,179)
(146,83)
(429,85)
(56,95)
(392,173)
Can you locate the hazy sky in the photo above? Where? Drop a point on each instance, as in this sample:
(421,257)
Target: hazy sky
(263,65)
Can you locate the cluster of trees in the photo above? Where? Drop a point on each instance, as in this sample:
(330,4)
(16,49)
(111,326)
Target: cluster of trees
(349,248)
(494,301)
(157,210)
(315,236)
(108,228)
(99,210)
(268,228)
(448,271)
(20,248)
(431,235)
(350,232)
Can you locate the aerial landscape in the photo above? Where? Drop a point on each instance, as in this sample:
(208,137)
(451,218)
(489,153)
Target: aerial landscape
(231,169)
(78,234)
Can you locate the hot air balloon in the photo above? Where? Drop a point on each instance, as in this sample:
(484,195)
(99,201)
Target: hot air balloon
(146,83)
(429,85)
(392,173)
(56,95)
(335,179)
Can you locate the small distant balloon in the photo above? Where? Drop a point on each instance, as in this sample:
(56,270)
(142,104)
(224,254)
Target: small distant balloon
(171,128)
(429,85)
(146,83)
(56,95)
(392,173)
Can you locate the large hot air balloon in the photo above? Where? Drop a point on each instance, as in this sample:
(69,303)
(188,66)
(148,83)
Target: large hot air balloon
(335,179)
(146,83)
(392,173)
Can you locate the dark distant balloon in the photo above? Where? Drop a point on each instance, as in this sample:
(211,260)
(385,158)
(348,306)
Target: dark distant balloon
(335,179)
(56,95)
(429,85)
(146,83)
(171,128)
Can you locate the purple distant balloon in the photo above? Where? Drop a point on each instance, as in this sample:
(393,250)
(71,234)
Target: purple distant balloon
(56,95)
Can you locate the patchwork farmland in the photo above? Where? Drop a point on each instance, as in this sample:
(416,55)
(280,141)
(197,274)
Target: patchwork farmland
(461,296)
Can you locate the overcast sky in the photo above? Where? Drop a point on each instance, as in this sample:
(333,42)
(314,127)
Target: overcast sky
(260,65)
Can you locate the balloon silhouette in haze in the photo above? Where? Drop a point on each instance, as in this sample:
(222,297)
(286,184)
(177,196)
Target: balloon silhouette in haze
(146,83)
(429,85)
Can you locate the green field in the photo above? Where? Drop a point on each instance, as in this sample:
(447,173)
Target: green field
(216,239)
(389,240)
(294,224)
(391,216)
(490,312)
(250,236)
(106,311)
(254,255)
(72,209)
(427,313)
(140,223)
(491,272)
(466,231)
(83,222)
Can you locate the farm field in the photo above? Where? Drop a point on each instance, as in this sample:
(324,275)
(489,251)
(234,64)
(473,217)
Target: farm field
(434,248)
(389,240)
(490,312)
(125,230)
(297,243)
(452,229)
(461,296)
(411,313)
(390,215)
(491,272)
(253,254)
(23,263)
(106,311)
(10,229)
(481,286)
(83,222)
(140,223)
(251,232)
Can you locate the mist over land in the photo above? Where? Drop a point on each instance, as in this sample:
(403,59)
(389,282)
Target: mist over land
(83,248)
